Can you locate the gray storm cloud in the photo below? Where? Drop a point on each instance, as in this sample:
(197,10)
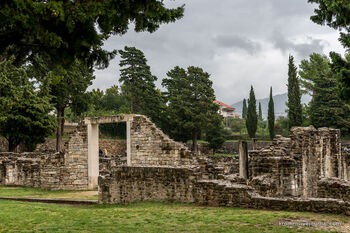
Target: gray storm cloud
(239,42)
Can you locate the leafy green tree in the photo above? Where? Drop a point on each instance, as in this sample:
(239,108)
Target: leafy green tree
(294,96)
(341,68)
(271,116)
(69,30)
(260,113)
(236,124)
(215,134)
(326,108)
(244,110)
(113,99)
(335,14)
(67,87)
(111,102)
(96,96)
(281,126)
(24,110)
(252,118)
(190,99)
(138,81)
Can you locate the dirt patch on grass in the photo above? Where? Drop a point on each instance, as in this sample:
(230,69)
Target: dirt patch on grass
(84,195)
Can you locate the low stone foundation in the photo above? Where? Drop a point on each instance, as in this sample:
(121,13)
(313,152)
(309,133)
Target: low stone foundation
(184,184)
(46,171)
(333,188)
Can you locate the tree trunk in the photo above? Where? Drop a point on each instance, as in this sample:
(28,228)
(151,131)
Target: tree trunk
(132,102)
(194,141)
(60,127)
(62,122)
(12,145)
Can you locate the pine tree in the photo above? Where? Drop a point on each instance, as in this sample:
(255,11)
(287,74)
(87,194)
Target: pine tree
(244,110)
(260,113)
(326,108)
(271,116)
(138,82)
(336,14)
(191,108)
(252,118)
(294,96)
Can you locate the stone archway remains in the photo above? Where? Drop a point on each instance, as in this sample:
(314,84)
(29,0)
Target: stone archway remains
(93,143)
(147,145)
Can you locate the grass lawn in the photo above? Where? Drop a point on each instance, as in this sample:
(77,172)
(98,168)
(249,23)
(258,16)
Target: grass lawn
(12,191)
(154,217)
(229,155)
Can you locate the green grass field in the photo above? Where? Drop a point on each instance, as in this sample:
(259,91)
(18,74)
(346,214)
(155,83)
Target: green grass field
(229,155)
(148,217)
(152,217)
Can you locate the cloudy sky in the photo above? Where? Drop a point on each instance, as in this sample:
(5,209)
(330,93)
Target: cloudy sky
(239,42)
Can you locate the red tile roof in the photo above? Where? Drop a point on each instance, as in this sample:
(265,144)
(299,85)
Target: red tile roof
(224,105)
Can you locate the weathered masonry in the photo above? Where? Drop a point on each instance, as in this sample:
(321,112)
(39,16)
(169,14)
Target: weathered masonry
(67,170)
(308,171)
(78,166)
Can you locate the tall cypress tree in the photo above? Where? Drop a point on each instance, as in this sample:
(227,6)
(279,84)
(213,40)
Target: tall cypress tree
(294,95)
(244,110)
(260,113)
(252,118)
(271,116)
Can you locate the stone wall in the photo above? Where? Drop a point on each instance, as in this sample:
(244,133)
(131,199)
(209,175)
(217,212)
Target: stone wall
(227,147)
(333,188)
(318,154)
(67,170)
(20,169)
(293,166)
(273,172)
(150,146)
(127,184)
(112,147)
(132,184)
(346,162)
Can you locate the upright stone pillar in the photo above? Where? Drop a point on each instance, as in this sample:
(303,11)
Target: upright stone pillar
(128,143)
(243,160)
(93,156)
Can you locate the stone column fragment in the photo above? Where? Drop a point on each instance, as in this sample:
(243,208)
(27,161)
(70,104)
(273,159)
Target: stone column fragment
(243,160)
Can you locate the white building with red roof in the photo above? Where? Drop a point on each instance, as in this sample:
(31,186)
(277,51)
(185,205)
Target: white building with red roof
(226,110)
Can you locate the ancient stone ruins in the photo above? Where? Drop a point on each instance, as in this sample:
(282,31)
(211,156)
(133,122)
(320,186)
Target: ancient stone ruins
(310,171)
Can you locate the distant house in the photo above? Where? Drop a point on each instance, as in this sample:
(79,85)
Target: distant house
(226,110)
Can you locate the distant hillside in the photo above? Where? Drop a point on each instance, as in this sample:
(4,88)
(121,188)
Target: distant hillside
(280,104)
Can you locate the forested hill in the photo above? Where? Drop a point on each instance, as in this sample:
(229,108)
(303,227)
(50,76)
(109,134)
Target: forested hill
(280,104)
